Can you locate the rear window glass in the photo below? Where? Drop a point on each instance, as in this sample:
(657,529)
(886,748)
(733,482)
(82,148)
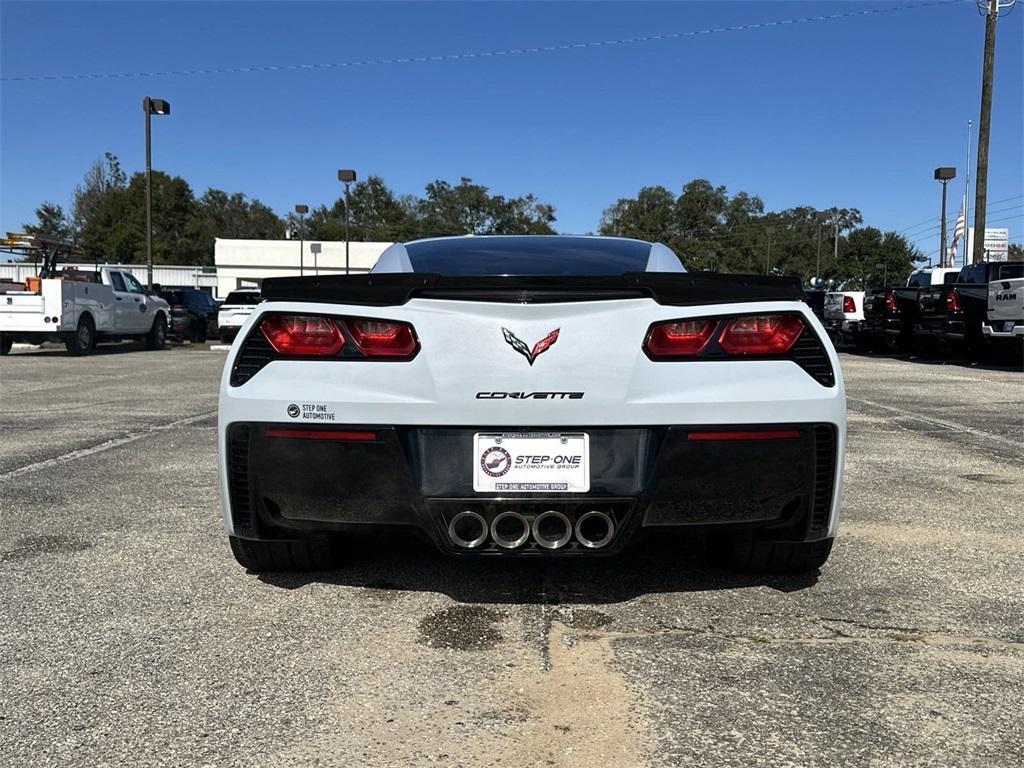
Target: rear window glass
(242,297)
(537,255)
(1010,271)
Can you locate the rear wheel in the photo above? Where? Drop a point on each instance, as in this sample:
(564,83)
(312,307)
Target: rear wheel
(745,554)
(157,336)
(226,337)
(6,342)
(295,555)
(83,340)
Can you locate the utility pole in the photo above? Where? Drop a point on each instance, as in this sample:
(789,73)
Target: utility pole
(991,10)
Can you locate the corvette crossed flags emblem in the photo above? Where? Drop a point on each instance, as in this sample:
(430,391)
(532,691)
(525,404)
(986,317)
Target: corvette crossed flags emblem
(520,346)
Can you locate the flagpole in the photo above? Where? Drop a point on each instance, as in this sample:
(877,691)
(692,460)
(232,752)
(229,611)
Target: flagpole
(967,195)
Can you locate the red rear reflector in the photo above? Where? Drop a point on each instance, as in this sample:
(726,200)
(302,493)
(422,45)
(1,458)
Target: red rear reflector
(680,338)
(890,301)
(303,335)
(319,434)
(378,338)
(849,305)
(763,434)
(953,300)
(761,334)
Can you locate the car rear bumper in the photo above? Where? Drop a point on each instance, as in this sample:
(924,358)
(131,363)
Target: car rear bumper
(1015,332)
(283,482)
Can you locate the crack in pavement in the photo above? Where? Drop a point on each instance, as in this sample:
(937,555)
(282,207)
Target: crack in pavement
(943,423)
(896,635)
(106,445)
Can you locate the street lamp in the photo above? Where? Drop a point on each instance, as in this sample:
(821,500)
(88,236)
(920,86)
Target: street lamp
(346,177)
(944,175)
(151,107)
(819,216)
(302,210)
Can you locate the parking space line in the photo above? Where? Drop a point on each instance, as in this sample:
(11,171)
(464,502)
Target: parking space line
(104,446)
(937,422)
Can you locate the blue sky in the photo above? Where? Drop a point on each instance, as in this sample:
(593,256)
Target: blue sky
(849,112)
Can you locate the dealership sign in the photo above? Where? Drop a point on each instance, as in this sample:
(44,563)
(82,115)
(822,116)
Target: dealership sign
(997,243)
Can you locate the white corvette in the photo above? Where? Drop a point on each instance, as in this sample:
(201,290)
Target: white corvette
(532,396)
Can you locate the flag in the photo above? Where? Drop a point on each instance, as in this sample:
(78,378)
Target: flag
(958,232)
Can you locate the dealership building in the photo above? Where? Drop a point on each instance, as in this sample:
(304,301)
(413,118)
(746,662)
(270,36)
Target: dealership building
(243,263)
(238,264)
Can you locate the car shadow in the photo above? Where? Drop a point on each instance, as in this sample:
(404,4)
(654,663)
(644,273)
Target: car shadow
(669,562)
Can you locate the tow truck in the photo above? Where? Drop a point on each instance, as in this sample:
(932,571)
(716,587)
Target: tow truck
(77,307)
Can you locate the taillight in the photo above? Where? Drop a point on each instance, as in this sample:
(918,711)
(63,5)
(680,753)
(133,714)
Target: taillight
(378,338)
(849,305)
(890,301)
(952,300)
(303,335)
(679,338)
(760,334)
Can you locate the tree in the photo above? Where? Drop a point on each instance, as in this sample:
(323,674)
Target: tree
(1015,252)
(467,208)
(376,214)
(116,227)
(219,214)
(51,221)
(102,177)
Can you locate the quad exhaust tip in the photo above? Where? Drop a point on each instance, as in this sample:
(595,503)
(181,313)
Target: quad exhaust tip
(510,530)
(468,529)
(551,529)
(594,529)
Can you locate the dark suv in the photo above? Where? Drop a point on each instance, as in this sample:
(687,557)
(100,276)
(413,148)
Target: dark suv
(193,313)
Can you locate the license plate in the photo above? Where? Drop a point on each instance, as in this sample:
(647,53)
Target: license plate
(1007,326)
(536,462)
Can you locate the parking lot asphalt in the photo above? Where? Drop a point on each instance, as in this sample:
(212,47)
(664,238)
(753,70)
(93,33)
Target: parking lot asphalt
(129,636)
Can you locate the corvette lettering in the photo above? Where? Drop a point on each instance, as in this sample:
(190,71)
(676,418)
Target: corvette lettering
(529,395)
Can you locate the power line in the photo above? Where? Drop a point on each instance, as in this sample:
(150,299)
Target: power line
(482,54)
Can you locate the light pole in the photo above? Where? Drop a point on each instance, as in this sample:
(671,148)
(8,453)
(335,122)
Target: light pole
(151,107)
(835,245)
(819,216)
(943,174)
(346,177)
(302,210)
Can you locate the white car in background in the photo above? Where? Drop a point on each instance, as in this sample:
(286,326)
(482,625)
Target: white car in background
(235,310)
(532,396)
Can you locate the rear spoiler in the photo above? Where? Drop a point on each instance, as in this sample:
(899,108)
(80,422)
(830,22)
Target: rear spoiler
(669,288)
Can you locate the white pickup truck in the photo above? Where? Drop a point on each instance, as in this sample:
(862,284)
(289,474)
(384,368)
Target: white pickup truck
(844,316)
(1005,316)
(81,309)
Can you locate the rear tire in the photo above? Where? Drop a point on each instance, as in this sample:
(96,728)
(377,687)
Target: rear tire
(157,336)
(83,340)
(296,555)
(745,554)
(6,342)
(226,338)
